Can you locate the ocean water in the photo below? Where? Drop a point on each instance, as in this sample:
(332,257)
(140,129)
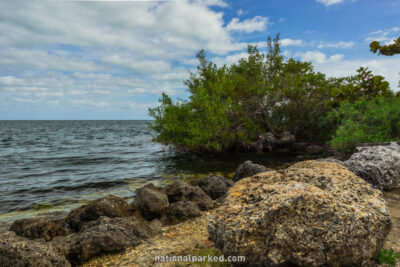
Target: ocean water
(50,166)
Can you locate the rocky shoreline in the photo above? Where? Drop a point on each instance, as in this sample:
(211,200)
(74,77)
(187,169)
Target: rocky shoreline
(314,213)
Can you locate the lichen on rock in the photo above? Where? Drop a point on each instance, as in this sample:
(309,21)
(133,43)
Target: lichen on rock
(311,214)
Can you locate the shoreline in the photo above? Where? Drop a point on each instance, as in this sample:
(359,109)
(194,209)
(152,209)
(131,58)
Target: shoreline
(175,218)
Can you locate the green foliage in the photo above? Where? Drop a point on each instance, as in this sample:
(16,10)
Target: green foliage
(366,120)
(387,256)
(229,107)
(386,50)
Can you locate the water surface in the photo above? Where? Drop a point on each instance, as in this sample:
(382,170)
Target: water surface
(57,165)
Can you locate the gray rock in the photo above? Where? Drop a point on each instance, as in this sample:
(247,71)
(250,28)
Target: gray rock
(248,169)
(16,251)
(332,160)
(40,227)
(181,191)
(214,185)
(311,214)
(378,165)
(286,138)
(151,203)
(105,235)
(180,211)
(109,206)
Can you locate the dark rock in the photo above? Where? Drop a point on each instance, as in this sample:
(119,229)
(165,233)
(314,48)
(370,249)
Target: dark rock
(214,185)
(180,211)
(248,169)
(378,165)
(40,227)
(311,214)
(21,252)
(286,138)
(105,235)
(150,202)
(315,150)
(109,206)
(181,191)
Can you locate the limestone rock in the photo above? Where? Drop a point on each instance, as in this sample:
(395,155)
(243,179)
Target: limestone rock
(311,214)
(105,235)
(20,251)
(179,212)
(109,206)
(40,227)
(248,169)
(181,191)
(378,165)
(150,202)
(214,185)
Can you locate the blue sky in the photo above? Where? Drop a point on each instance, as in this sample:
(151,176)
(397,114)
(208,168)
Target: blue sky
(113,59)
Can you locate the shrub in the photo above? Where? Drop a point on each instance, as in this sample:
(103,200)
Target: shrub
(229,108)
(375,120)
(387,256)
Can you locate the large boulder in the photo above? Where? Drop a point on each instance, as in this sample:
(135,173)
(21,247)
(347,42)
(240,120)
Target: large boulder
(20,251)
(378,165)
(105,235)
(40,227)
(150,202)
(180,211)
(214,185)
(109,206)
(181,191)
(311,214)
(248,169)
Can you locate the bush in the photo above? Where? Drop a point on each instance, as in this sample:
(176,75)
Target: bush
(375,120)
(387,256)
(229,108)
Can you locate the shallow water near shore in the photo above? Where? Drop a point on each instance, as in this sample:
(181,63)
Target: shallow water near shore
(48,166)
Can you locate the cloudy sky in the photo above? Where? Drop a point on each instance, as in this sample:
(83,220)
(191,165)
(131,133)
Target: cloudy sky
(113,59)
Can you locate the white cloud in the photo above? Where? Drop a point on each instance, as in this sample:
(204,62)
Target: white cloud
(338,66)
(100,104)
(319,57)
(257,23)
(229,60)
(330,2)
(138,66)
(291,42)
(340,44)
(386,36)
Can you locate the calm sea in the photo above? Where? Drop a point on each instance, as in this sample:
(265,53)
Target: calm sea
(57,165)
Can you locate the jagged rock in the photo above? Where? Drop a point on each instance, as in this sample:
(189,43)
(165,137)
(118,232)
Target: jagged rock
(109,206)
(105,235)
(150,202)
(248,169)
(286,138)
(180,211)
(311,214)
(181,191)
(378,165)
(40,227)
(20,251)
(214,185)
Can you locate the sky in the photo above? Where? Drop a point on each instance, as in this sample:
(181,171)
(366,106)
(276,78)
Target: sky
(83,60)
